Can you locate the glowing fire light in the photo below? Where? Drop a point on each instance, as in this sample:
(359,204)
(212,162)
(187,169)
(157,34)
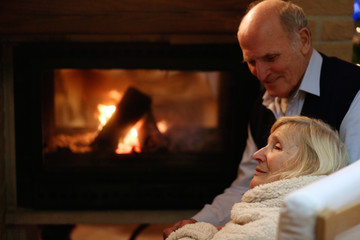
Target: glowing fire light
(115,95)
(105,114)
(162,126)
(130,143)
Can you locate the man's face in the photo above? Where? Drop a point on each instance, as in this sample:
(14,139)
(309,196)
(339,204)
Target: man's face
(272,57)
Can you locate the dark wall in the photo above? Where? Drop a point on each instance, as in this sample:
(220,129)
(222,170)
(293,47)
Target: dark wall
(120,16)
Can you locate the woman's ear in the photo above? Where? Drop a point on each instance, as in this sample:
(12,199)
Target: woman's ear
(305,41)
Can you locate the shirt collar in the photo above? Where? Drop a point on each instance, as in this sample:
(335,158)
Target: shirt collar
(311,80)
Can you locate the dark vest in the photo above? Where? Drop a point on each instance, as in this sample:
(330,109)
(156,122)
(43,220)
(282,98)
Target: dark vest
(339,84)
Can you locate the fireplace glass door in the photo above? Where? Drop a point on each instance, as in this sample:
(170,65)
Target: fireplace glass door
(120,111)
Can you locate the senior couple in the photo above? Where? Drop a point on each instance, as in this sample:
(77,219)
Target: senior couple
(298,80)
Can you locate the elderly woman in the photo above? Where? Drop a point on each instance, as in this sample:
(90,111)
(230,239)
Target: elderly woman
(300,150)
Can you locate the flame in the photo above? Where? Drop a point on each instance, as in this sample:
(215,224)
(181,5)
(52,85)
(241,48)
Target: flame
(105,112)
(130,143)
(162,126)
(116,95)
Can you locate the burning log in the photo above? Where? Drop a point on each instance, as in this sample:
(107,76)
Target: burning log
(129,110)
(151,139)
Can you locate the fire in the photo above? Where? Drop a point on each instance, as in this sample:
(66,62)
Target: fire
(116,95)
(162,126)
(130,143)
(105,112)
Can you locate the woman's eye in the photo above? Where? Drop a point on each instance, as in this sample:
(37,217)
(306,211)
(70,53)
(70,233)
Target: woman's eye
(277,147)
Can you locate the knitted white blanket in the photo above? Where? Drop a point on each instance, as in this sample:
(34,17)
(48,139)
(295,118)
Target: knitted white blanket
(256,217)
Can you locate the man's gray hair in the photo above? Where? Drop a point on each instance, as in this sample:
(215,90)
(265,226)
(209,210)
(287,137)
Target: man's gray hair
(292,17)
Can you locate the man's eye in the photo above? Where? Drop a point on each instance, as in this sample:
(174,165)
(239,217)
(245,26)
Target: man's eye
(271,58)
(251,63)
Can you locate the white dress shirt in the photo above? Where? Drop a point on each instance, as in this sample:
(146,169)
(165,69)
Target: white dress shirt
(218,213)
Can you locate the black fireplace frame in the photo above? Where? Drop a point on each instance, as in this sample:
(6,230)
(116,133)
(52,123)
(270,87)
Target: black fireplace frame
(186,181)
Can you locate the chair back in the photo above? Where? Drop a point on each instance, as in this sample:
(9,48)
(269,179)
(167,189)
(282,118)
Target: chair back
(323,209)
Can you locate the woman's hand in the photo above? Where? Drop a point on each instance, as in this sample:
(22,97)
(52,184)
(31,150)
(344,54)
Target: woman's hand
(168,231)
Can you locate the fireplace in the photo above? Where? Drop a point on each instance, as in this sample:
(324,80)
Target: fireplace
(127,125)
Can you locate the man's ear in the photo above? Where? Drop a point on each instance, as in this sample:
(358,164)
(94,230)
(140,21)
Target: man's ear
(305,40)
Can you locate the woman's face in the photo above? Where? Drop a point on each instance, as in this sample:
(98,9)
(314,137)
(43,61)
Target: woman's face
(280,149)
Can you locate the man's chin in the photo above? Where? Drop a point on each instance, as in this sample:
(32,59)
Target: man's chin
(272,93)
(276,93)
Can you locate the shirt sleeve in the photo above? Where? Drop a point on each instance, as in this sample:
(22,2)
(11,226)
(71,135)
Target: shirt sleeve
(218,212)
(350,129)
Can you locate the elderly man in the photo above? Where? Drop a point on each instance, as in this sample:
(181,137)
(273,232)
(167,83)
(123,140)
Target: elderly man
(276,44)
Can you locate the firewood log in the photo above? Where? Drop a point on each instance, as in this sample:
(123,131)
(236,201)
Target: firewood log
(129,110)
(150,138)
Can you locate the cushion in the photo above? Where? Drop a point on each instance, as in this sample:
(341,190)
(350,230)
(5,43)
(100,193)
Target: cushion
(300,208)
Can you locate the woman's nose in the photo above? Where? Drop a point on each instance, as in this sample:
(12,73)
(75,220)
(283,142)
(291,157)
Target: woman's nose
(260,155)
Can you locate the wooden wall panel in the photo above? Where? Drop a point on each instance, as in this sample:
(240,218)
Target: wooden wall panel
(120,16)
(61,7)
(123,23)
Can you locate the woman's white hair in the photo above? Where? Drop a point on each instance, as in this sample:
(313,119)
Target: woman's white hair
(321,151)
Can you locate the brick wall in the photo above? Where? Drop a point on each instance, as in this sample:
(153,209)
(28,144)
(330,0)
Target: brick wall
(332,26)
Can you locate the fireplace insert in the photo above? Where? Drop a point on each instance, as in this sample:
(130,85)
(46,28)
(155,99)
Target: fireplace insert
(128,125)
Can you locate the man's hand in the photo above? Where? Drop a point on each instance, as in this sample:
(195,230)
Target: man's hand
(168,231)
